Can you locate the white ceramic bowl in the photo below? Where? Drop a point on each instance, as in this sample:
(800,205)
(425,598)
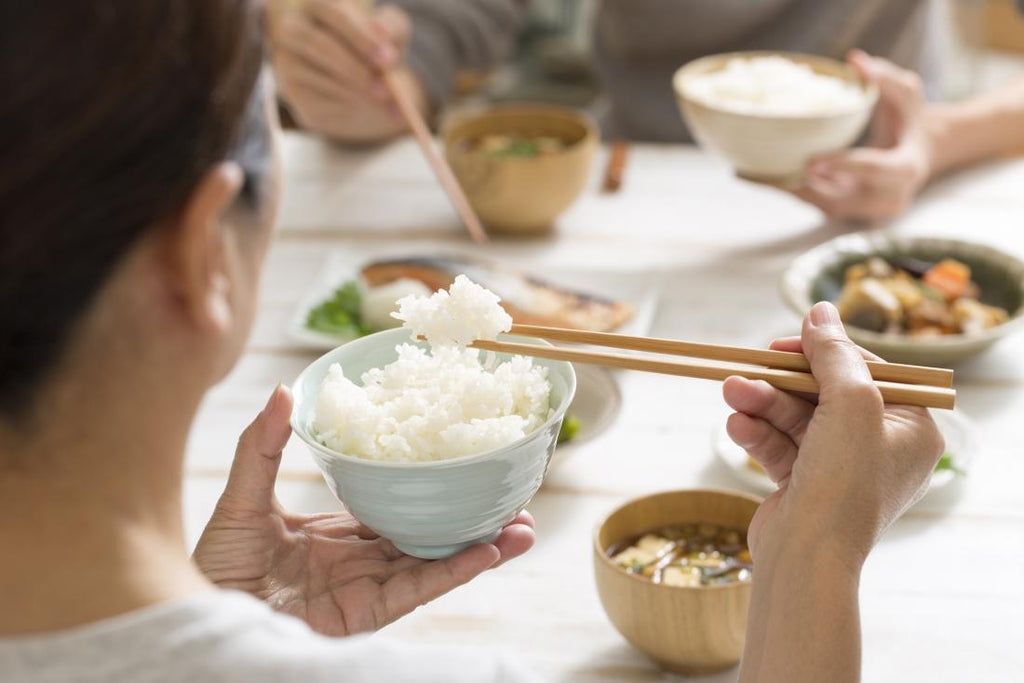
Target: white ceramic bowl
(767,148)
(818,274)
(430,509)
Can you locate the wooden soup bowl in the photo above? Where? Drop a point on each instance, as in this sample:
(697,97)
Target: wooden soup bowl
(689,630)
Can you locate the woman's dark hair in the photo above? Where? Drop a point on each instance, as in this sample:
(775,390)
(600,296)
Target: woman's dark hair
(111,112)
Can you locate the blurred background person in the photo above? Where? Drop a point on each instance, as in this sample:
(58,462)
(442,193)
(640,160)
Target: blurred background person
(328,60)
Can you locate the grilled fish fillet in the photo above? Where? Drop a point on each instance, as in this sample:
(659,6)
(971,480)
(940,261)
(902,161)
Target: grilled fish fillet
(529,300)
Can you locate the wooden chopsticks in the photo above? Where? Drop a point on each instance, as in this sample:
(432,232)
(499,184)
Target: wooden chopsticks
(441,168)
(889,372)
(902,384)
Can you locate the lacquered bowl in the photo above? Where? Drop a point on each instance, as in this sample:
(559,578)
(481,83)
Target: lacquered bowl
(430,509)
(689,630)
(522,194)
(818,275)
(770,148)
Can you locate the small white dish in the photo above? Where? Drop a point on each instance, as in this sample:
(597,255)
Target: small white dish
(597,403)
(957,429)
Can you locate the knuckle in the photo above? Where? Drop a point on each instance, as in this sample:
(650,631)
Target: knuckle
(863,394)
(912,83)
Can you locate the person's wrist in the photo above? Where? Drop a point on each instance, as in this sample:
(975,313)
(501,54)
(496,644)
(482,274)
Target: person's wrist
(810,535)
(937,120)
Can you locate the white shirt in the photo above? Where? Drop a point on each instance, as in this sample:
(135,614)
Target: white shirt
(229,637)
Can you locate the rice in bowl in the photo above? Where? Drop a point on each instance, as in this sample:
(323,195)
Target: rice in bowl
(446,403)
(774,86)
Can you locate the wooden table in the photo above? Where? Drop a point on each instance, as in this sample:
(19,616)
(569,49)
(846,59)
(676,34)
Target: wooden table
(943,594)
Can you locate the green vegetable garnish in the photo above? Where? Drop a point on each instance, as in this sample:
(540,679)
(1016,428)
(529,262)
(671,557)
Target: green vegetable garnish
(340,315)
(519,147)
(946,463)
(930,293)
(570,428)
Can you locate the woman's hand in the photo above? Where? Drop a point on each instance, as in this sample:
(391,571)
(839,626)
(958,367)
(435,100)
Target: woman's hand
(327,569)
(847,466)
(328,59)
(877,182)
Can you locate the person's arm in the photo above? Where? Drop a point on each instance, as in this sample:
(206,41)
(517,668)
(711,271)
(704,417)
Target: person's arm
(804,618)
(976,129)
(847,466)
(912,142)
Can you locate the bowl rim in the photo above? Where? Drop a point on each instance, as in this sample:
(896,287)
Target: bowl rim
(870,90)
(299,430)
(798,297)
(601,556)
(526,109)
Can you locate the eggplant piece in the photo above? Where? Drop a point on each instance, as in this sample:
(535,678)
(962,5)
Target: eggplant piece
(915,266)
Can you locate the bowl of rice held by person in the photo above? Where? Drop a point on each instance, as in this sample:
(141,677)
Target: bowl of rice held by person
(768,113)
(433,445)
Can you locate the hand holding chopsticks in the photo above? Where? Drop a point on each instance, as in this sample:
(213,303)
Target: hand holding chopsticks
(371,44)
(898,384)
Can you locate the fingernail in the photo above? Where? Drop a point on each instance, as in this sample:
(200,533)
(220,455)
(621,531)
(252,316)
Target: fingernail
(825,314)
(275,397)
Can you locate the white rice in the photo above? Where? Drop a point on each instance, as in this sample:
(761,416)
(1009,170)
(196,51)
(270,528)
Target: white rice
(464,313)
(774,86)
(450,402)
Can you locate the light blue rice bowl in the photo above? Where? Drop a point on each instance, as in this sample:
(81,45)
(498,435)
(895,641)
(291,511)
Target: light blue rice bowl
(431,509)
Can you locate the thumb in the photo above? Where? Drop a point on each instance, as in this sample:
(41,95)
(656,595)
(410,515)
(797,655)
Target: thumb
(258,455)
(900,88)
(837,364)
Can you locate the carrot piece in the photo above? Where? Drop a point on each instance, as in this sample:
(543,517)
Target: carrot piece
(950,278)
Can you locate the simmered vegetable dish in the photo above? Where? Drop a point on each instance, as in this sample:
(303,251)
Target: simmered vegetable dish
(699,554)
(915,298)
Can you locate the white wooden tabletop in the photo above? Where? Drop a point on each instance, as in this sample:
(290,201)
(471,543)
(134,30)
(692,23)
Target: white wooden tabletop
(942,595)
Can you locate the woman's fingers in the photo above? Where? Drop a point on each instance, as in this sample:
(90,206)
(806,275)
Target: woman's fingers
(253,473)
(515,540)
(299,80)
(772,449)
(349,22)
(426,581)
(319,48)
(838,365)
(785,412)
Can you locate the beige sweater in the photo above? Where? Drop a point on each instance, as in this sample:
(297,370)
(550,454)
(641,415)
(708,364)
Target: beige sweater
(639,43)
